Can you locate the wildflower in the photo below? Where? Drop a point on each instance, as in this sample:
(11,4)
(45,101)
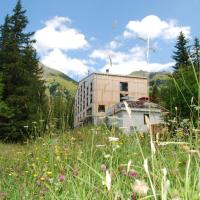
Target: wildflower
(100,145)
(108,180)
(146,166)
(42,178)
(103,168)
(107,156)
(113,139)
(49,173)
(132,173)
(140,187)
(61,177)
(129,165)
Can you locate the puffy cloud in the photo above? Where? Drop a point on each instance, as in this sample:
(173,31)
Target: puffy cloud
(57,33)
(54,41)
(127,62)
(56,59)
(153,27)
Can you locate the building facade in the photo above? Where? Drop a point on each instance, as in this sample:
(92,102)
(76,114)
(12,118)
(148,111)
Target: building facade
(99,91)
(118,116)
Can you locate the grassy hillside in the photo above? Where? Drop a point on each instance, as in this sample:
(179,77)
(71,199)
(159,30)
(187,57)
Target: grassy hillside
(155,78)
(52,75)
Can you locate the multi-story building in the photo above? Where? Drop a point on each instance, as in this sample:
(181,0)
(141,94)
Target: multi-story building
(99,91)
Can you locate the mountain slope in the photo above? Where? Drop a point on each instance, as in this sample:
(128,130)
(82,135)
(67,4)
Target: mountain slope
(52,75)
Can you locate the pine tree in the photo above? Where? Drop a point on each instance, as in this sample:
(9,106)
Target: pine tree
(22,78)
(196,54)
(181,54)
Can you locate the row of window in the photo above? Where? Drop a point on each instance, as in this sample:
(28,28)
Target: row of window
(83,98)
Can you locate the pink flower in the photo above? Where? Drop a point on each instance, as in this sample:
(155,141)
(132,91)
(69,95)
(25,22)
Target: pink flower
(61,178)
(132,173)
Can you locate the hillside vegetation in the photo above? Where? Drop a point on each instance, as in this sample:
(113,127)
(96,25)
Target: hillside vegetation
(52,75)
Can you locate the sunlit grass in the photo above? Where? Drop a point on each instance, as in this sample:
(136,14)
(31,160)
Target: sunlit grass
(74,166)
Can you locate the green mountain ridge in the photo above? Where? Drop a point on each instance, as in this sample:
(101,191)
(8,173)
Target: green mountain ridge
(52,75)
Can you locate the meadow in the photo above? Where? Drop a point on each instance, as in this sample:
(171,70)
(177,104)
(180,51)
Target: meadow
(100,163)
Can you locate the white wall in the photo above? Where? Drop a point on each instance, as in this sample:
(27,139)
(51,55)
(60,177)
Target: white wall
(137,120)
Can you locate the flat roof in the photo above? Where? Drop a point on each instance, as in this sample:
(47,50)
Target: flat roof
(108,74)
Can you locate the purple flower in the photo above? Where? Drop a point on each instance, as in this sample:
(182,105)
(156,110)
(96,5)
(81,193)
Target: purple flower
(132,173)
(61,178)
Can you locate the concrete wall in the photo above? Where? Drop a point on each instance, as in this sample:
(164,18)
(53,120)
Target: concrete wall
(137,121)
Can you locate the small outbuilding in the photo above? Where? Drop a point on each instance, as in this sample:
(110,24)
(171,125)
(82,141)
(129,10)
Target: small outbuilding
(141,110)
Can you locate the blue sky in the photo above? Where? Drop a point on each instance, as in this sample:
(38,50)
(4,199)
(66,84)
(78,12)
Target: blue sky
(75,36)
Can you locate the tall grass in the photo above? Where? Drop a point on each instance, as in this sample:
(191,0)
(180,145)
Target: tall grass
(75,166)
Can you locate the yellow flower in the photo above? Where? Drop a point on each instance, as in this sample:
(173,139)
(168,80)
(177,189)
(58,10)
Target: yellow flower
(49,173)
(42,178)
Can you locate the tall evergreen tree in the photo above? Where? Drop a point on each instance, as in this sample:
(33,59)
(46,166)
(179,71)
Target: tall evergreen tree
(181,53)
(195,54)
(22,78)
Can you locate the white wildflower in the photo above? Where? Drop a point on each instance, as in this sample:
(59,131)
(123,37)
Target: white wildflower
(113,139)
(129,165)
(140,187)
(107,156)
(146,168)
(100,145)
(108,180)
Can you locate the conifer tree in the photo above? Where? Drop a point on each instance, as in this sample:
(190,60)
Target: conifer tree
(196,54)
(181,54)
(23,90)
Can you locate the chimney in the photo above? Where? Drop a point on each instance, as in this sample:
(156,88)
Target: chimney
(107,70)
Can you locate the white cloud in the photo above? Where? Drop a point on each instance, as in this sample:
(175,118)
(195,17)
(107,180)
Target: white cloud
(57,33)
(127,62)
(153,27)
(54,41)
(60,61)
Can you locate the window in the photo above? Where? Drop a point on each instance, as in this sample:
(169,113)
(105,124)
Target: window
(101,108)
(91,98)
(124,86)
(123,97)
(91,87)
(146,116)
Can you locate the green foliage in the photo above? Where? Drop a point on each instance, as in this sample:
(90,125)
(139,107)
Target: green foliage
(52,75)
(181,53)
(180,94)
(23,90)
(61,107)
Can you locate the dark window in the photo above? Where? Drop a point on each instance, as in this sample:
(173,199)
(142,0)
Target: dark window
(101,108)
(91,98)
(145,116)
(124,86)
(123,97)
(91,87)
